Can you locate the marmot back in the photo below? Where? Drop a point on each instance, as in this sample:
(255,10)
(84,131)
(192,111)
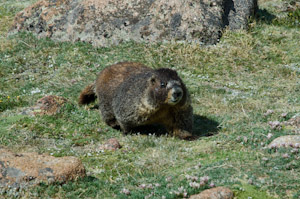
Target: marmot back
(105,85)
(132,95)
(109,79)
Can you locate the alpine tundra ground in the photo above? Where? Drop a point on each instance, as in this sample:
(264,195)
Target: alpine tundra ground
(232,84)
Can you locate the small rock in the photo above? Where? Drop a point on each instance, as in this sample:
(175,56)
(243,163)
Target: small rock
(285,141)
(24,169)
(48,105)
(111,144)
(214,193)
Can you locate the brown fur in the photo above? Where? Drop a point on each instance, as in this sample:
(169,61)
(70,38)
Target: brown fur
(87,95)
(132,95)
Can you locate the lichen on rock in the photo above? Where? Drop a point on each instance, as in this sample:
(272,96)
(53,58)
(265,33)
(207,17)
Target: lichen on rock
(19,170)
(107,22)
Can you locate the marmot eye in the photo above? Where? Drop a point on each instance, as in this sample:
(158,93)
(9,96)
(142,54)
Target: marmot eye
(162,85)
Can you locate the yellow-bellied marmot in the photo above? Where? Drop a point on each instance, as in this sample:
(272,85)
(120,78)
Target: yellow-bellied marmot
(132,95)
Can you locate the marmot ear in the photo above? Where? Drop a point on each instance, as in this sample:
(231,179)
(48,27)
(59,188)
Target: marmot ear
(152,80)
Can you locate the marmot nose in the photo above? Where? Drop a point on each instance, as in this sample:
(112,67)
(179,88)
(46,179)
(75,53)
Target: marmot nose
(177,93)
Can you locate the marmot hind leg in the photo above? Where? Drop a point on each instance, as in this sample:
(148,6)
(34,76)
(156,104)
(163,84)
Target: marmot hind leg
(109,118)
(112,122)
(125,129)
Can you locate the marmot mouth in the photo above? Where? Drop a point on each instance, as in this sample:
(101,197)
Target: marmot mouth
(176,95)
(175,100)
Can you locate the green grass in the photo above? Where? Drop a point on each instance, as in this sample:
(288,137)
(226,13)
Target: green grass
(232,85)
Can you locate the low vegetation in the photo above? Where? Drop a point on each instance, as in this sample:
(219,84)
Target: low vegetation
(232,84)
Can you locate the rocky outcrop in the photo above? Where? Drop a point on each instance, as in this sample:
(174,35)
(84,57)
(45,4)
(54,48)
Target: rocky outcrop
(23,169)
(106,22)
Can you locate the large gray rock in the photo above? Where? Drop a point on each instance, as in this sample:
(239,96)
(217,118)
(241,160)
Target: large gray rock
(106,22)
(237,13)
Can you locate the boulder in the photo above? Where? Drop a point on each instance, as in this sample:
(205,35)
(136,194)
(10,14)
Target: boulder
(286,141)
(237,13)
(107,22)
(22,169)
(214,193)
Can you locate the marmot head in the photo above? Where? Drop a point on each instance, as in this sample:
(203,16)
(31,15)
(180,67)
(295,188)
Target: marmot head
(166,87)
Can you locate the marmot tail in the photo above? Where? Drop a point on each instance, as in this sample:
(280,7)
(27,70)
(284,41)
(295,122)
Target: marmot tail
(87,95)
